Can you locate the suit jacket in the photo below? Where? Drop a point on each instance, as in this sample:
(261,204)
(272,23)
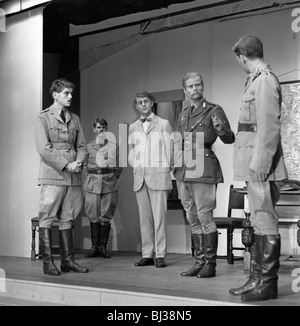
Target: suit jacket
(260,151)
(59,143)
(150,154)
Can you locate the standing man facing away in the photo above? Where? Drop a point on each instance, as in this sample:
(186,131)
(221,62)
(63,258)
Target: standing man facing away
(101,184)
(258,160)
(149,154)
(197,185)
(61,145)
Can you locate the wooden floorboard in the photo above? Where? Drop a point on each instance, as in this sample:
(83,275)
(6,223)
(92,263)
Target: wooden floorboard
(118,279)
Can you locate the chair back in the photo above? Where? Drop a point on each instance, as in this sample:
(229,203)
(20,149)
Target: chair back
(236,200)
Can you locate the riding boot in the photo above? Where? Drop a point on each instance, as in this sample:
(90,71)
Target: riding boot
(210,250)
(267,286)
(45,245)
(95,238)
(104,234)
(66,246)
(254,277)
(199,256)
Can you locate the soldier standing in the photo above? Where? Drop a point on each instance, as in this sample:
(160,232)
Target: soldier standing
(199,126)
(61,145)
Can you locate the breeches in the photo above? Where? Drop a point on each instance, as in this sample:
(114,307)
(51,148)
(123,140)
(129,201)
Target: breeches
(52,198)
(263,197)
(152,205)
(100,207)
(198,201)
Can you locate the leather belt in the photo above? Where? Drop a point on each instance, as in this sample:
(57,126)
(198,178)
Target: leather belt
(250,127)
(101,171)
(62,146)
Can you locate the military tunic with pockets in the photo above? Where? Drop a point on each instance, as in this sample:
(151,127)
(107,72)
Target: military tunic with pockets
(189,123)
(260,150)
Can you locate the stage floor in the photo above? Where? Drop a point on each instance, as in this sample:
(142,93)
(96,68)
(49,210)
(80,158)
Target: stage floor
(117,282)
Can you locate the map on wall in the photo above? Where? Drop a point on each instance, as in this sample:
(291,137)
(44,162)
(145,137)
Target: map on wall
(290,127)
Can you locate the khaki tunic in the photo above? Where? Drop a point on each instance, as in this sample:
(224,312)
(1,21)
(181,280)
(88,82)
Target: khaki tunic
(260,151)
(211,172)
(59,143)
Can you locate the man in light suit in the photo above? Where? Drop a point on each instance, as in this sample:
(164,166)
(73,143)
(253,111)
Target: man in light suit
(61,145)
(150,156)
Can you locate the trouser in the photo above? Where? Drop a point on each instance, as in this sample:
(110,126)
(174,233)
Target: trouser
(199,201)
(52,198)
(152,205)
(263,197)
(101,207)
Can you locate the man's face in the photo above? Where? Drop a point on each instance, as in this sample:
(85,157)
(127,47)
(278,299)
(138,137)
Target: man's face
(144,106)
(64,98)
(99,128)
(194,88)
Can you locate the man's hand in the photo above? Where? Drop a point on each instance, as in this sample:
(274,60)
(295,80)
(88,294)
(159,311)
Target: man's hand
(217,123)
(74,167)
(259,176)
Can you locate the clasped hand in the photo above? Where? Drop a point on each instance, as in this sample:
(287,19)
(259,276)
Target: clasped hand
(260,176)
(74,167)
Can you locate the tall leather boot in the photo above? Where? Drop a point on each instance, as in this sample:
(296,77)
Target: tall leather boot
(45,245)
(254,277)
(66,246)
(267,286)
(104,234)
(95,238)
(210,249)
(198,240)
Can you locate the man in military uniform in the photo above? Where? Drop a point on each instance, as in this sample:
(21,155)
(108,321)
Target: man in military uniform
(61,145)
(198,127)
(101,186)
(258,160)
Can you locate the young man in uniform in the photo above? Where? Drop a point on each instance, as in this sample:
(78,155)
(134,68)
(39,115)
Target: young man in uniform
(61,146)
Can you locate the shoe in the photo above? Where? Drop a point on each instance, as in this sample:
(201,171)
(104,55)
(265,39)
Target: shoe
(160,262)
(145,262)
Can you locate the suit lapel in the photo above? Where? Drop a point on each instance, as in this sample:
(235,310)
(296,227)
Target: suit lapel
(152,123)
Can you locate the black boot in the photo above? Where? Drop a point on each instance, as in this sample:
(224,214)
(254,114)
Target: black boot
(66,246)
(254,277)
(199,256)
(95,238)
(267,286)
(104,234)
(210,249)
(45,245)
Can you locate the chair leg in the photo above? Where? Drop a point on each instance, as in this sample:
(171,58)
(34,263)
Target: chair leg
(230,255)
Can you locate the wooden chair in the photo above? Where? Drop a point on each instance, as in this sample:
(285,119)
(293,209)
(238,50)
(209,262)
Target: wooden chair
(236,201)
(34,228)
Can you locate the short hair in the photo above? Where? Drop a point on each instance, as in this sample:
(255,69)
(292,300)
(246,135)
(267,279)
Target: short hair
(190,75)
(59,84)
(102,122)
(144,94)
(250,46)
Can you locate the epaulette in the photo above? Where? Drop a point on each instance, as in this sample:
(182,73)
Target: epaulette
(211,104)
(44,111)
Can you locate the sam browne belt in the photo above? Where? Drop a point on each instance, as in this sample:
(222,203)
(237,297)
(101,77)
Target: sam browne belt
(101,171)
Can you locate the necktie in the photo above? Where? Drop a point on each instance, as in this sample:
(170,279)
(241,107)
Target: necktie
(145,119)
(62,115)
